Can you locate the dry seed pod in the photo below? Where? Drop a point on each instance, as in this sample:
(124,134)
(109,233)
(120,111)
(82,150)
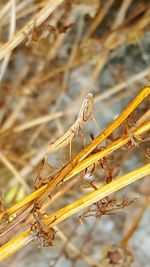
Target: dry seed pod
(113,256)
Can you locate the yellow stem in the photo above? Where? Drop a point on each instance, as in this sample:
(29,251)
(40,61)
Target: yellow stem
(81,166)
(24,238)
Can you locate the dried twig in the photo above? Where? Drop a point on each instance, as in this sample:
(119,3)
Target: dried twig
(67,172)
(39,18)
(64,213)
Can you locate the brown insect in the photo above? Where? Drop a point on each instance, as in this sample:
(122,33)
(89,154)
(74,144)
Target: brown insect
(85,114)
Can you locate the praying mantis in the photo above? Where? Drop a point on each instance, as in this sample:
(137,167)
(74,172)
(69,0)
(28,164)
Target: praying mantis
(85,114)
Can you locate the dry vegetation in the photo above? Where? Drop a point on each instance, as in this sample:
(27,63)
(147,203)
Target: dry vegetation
(74,135)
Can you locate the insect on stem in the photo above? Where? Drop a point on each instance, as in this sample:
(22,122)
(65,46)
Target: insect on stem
(85,114)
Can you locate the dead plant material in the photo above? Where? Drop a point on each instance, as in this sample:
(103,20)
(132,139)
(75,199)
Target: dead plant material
(106,206)
(3,210)
(55,55)
(40,32)
(64,213)
(104,162)
(40,231)
(114,256)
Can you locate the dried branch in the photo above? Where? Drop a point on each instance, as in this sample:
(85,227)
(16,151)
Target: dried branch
(24,238)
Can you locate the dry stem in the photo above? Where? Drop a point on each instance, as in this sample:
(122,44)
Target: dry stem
(43,14)
(24,238)
(67,173)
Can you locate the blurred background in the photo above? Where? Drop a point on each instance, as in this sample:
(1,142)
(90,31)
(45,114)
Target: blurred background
(102,47)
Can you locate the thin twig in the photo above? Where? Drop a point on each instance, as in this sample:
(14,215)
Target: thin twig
(117,88)
(135,224)
(81,166)
(14,171)
(43,14)
(11,34)
(84,153)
